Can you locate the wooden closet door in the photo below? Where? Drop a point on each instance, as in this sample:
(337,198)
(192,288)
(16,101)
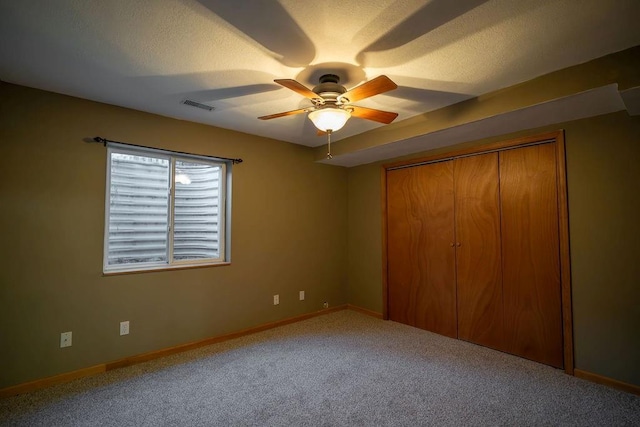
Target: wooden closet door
(478,252)
(530,253)
(420,260)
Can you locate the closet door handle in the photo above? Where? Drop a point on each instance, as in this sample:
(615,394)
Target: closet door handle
(458,244)
(451,244)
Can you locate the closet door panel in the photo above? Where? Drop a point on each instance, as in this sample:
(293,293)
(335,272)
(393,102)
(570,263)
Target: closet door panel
(421,262)
(530,252)
(402,245)
(478,256)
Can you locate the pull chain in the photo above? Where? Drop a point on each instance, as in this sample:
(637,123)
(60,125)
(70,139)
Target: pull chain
(329,156)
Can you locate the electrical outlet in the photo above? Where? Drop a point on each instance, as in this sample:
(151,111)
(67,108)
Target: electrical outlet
(124,328)
(276,299)
(325,304)
(301,295)
(65,339)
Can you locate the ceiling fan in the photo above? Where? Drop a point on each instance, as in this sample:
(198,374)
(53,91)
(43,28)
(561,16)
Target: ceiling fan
(332,102)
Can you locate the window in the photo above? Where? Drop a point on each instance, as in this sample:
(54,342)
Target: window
(164,210)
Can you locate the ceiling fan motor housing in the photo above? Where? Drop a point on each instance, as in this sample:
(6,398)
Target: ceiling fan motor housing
(329,88)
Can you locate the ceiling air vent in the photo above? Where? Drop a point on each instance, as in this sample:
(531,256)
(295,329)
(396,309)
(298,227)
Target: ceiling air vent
(197,105)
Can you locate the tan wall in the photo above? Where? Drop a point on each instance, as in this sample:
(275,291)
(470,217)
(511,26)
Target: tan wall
(603,158)
(52,188)
(365,238)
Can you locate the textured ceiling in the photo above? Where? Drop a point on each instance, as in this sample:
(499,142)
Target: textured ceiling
(150,55)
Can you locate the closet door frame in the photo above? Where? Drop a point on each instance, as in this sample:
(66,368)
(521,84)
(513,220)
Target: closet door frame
(556,138)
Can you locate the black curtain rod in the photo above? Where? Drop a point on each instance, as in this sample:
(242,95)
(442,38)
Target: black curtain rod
(104,142)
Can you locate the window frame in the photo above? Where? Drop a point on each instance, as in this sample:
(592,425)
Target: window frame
(224,211)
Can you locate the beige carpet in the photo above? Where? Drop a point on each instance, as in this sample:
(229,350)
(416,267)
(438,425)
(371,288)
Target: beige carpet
(341,369)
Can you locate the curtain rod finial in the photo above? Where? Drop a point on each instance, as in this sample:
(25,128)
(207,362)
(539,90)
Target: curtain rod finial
(99,139)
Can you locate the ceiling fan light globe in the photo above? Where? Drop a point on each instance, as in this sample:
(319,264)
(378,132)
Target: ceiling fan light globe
(329,119)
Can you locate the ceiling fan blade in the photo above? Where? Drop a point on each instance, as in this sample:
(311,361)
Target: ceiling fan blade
(379,116)
(286,113)
(298,87)
(376,86)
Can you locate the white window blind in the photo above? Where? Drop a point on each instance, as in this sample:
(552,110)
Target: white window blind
(164,210)
(197,211)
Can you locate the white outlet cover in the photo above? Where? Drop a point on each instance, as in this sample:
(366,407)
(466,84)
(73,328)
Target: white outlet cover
(276,299)
(301,295)
(124,328)
(66,339)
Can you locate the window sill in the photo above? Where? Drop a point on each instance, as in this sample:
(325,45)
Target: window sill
(167,268)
